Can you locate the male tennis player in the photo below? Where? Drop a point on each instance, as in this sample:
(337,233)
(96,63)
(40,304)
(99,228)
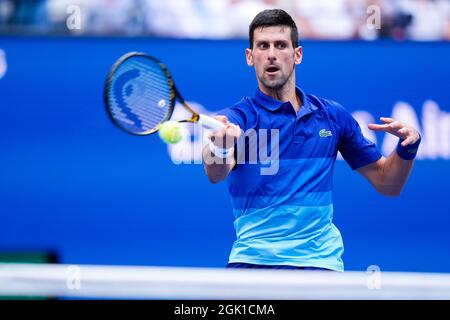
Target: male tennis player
(285,220)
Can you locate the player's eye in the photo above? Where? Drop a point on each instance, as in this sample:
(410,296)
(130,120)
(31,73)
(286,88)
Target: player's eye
(281,45)
(263,45)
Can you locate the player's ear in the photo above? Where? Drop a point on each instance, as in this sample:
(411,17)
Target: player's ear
(298,55)
(249,57)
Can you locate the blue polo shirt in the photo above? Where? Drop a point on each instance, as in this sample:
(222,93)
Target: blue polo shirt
(287,218)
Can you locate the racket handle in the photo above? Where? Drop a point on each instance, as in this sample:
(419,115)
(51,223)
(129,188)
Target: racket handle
(210,122)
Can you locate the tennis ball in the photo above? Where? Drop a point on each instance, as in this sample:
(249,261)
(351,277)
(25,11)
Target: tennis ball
(170,132)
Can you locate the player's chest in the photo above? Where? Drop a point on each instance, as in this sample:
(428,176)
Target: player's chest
(310,135)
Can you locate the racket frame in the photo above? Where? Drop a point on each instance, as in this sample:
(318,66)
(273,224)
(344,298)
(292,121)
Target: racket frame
(174,93)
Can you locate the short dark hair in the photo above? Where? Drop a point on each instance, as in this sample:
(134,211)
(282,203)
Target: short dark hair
(270,18)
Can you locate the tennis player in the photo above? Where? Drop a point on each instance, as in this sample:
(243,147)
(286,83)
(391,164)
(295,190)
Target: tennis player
(284,220)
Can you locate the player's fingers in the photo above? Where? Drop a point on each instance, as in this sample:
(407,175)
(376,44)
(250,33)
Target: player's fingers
(386,119)
(377,127)
(404,132)
(395,125)
(225,138)
(217,135)
(234,131)
(222,119)
(407,141)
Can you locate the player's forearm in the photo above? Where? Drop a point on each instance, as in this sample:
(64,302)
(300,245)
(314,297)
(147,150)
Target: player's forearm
(394,174)
(217,168)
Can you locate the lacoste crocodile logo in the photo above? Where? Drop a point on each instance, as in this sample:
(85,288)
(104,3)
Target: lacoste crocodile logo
(325,133)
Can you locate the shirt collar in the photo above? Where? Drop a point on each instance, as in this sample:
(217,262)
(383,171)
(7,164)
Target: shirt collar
(273,104)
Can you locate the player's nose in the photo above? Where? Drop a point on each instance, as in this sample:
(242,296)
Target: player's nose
(271,58)
(271,54)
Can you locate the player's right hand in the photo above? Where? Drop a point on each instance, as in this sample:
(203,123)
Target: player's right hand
(225,138)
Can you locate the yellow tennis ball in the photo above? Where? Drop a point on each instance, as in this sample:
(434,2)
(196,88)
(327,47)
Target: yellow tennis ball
(170,132)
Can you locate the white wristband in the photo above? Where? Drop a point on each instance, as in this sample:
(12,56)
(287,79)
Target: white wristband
(219,152)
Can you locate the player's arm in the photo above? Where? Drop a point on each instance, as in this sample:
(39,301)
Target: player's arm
(389,175)
(218,155)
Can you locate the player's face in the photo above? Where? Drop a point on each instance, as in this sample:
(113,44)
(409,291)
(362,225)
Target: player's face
(274,57)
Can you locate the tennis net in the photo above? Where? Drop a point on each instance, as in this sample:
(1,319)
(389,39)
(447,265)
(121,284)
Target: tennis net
(139,282)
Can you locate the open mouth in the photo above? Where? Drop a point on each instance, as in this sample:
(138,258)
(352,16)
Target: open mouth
(272,69)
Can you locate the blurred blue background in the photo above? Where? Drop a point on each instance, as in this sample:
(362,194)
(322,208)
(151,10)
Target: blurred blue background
(72,183)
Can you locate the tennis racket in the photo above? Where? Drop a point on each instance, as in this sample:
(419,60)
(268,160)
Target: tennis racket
(140,95)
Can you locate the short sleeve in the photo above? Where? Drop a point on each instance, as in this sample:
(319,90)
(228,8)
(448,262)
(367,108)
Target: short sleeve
(356,149)
(239,114)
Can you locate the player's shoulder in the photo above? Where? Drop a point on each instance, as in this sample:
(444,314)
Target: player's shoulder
(241,113)
(245,106)
(325,104)
(245,103)
(331,107)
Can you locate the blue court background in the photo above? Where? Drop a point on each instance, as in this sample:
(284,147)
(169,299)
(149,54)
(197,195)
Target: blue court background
(73,183)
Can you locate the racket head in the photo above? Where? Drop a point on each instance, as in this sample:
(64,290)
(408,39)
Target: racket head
(139,93)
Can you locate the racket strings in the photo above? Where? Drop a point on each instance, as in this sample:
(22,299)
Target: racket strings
(141,95)
(152,97)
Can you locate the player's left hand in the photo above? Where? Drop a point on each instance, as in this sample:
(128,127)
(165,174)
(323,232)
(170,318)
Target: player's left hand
(392,126)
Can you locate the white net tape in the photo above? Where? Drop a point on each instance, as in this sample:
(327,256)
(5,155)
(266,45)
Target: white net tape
(126,282)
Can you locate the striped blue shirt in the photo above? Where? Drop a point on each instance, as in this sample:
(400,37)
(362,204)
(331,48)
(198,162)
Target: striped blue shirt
(287,218)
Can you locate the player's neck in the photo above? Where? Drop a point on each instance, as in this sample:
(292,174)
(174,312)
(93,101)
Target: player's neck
(286,93)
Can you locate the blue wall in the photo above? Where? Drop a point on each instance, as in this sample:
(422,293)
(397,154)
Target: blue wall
(71,182)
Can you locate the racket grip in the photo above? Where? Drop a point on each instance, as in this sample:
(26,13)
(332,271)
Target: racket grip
(210,122)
